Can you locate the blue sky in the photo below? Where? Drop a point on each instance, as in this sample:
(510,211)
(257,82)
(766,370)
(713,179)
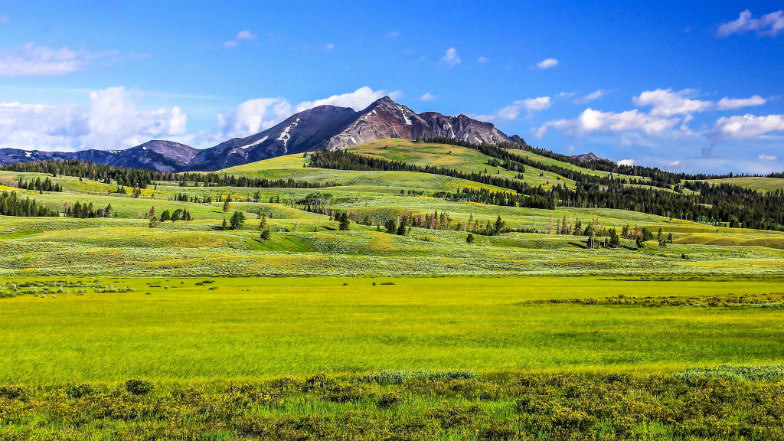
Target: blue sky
(694,86)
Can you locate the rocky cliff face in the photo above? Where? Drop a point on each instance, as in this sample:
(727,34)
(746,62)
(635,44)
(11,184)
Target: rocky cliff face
(323,127)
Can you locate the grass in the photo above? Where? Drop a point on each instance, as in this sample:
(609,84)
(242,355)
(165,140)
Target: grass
(414,406)
(249,328)
(755,183)
(554,341)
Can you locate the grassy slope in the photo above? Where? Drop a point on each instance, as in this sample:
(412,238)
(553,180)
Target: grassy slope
(249,328)
(754,183)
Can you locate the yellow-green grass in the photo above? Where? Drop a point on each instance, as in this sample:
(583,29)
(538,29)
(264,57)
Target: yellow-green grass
(453,157)
(244,328)
(753,182)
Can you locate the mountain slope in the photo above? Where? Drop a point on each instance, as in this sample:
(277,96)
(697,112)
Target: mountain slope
(152,155)
(319,128)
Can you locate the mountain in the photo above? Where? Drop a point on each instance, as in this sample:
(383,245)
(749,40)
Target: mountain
(586,157)
(319,128)
(152,155)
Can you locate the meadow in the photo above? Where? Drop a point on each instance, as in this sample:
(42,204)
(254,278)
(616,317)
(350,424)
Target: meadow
(123,327)
(249,328)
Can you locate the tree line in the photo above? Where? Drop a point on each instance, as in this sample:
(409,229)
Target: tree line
(38,185)
(141,178)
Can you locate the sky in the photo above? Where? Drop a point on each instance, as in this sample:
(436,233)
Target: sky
(692,86)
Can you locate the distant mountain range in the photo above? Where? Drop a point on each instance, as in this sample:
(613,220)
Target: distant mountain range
(319,128)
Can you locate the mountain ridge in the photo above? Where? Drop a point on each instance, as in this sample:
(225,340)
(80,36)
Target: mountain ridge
(319,128)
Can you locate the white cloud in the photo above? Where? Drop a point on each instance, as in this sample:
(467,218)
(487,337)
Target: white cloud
(428,97)
(736,103)
(512,112)
(673,163)
(4,20)
(254,116)
(357,100)
(747,126)
(629,162)
(592,96)
(596,121)
(451,58)
(770,24)
(329,46)
(112,121)
(547,63)
(764,157)
(393,35)
(482,60)
(241,36)
(668,103)
(32,60)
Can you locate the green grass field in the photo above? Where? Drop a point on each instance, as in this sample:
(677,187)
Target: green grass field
(318,333)
(248,328)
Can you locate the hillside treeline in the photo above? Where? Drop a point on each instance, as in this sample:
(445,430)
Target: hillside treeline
(139,178)
(724,203)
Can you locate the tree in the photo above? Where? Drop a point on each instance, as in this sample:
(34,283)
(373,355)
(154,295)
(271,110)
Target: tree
(226,205)
(401,230)
(153,222)
(265,234)
(225,225)
(237,220)
(344,223)
(391,226)
(262,221)
(669,238)
(165,216)
(470,238)
(499,225)
(614,241)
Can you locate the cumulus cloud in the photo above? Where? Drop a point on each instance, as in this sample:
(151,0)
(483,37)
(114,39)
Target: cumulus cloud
(254,116)
(547,63)
(747,126)
(111,121)
(629,162)
(329,46)
(673,163)
(764,157)
(596,121)
(241,36)
(357,100)
(393,34)
(736,103)
(592,96)
(114,120)
(665,102)
(770,24)
(33,60)
(451,58)
(482,60)
(428,97)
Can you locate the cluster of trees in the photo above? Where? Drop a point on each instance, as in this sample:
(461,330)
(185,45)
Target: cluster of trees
(225,180)
(12,205)
(536,198)
(179,214)
(128,177)
(86,210)
(38,185)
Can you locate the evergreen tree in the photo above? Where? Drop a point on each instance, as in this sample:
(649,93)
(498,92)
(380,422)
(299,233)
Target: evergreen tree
(237,220)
